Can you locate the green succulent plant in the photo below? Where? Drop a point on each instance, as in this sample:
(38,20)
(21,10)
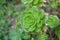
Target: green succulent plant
(57,32)
(14,34)
(32,18)
(30,21)
(33,2)
(54,3)
(53,21)
(42,36)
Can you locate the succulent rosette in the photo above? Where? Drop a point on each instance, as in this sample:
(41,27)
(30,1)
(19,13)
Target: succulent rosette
(42,36)
(31,19)
(53,21)
(33,2)
(28,20)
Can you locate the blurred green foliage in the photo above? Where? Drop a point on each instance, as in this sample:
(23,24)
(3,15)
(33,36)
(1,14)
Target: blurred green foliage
(54,4)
